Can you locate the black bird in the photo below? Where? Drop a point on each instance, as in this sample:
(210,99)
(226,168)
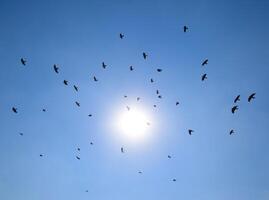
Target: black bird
(145,55)
(41,155)
(21,134)
(159,70)
(151,80)
(252,96)
(177,103)
(128,108)
(138,98)
(122,150)
(237,98)
(121,36)
(78,104)
(204,77)
(231,132)
(65,82)
(154,106)
(91,143)
(131,68)
(185,28)
(44,110)
(23,61)
(78,157)
(157,92)
(89,115)
(103,65)
(125,96)
(95,79)
(174,180)
(78,149)
(205,62)
(76,88)
(234,109)
(190,131)
(169,156)
(160,96)
(86,190)
(56,69)
(15,110)
(140,172)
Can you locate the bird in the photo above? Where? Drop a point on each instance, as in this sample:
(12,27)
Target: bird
(151,80)
(159,70)
(86,190)
(252,96)
(89,115)
(185,28)
(237,98)
(76,88)
(231,132)
(78,157)
(154,106)
(121,36)
(122,150)
(41,155)
(190,131)
(140,172)
(95,79)
(138,98)
(174,180)
(91,143)
(205,62)
(234,108)
(21,134)
(128,108)
(44,110)
(160,96)
(56,69)
(131,68)
(125,96)
(77,103)
(23,61)
(15,110)
(145,55)
(65,82)
(169,156)
(204,77)
(148,123)
(157,92)
(104,65)
(78,149)
(177,103)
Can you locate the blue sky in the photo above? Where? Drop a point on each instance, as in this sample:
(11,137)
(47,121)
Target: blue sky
(79,36)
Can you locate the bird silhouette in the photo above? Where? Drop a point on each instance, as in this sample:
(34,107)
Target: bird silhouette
(122,150)
(237,98)
(154,106)
(91,143)
(56,69)
(138,98)
(44,110)
(95,79)
(160,96)
(234,108)
(169,156)
(15,110)
(86,190)
(252,96)
(174,180)
(151,80)
(76,88)
(185,28)
(89,115)
(23,61)
(131,68)
(65,82)
(145,55)
(177,103)
(125,96)
(190,131)
(103,65)
(41,155)
(205,62)
(78,149)
(140,172)
(157,92)
(78,157)
(121,36)
(21,134)
(77,103)
(148,123)
(128,108)
(159,70)
(204,76)
(231,132)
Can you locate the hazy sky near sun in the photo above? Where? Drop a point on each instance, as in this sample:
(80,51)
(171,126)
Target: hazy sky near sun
(78,36)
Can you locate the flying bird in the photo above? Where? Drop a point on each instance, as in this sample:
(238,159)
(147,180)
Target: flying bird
(91,143)
(128,108)
(125,96)
(160,96)
(159,70)
(95,79)
(86,190)
(151,80)
(169,156)
(65,82)
(145,55)
(234,108)
(121,36)
(138,98)
(205,62)
(78,149)
(177,103)
(148,123)
(41,155)
(56,69)
(154,106)
(190,131)
(44,110)
(237,98)
(231,132)
(185,28)
(23,61)
(122,150)
(131,68)
(78,157)
(140,172)
(103,65)
(174,180)
(157,92)
(77,103)
(15,110)
(21,134)
(89,115)
(76,88)
(252,96)
(204,77)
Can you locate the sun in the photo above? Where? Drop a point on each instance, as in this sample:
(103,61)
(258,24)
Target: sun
(134,124)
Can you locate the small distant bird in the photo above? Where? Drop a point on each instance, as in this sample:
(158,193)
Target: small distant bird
(77,103)
(95,79)
(103,65)
(177,103)
(91,143)
(237,98)
(21,134)
(15,110)
(125,96)
(145,55)
(41,155)
(205,62)
(157,92)
(86,190)
(252,96)
(140,172)
(151,80)
(159,70)
(89,115)
(169,156)
(76,88)
(160,96)
(234,109)
(44,110)
(121,36)
(131,68)
(122,150)
(56,69)
(65,82)
(138,98)
(78,149)
(185,28)
(128,108)
(154,106)
(148,123)
(204,77)
(190,131)
(78,157)
(23,61)
(231,132)
(174,180)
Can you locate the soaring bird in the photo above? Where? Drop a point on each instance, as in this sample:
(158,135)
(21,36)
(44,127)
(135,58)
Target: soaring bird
(190,131)
(103,65)
(205,62)
(89,115)
(159,70)
(15,110)
(140,172)
(160,96)
(128,108)
(86,190)
(77,103)
(44,110)
(234,109)
(204,77)
(131,68)
(177,103)
(76,88)
(148,123)
(56,69)
(125,96)
(121,36)
(252,96)
(145,55)
(151,80)
(154,106)
(157,92)
(231,132)
(78,157)
(138,98)
(185,28)
(237,98)
(91,143)
(169,156)
(41,155)
(174,180)
(21,134)
(78,149)
(65,82)
(122,150)
(95,79)
(23,61)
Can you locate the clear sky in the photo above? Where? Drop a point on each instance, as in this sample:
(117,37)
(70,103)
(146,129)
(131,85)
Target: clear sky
(78,36)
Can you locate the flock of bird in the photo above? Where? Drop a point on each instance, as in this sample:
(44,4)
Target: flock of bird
(131,68)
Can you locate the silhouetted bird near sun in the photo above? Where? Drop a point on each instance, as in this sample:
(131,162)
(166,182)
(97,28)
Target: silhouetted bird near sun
(190,131)
(121,36)
(145,55)
(185,28)
(56,69)
(237,98)
(65,82)
(128,108)
(234,108)
(205,62)
(23,61)
(252,96)
(204,77)
(138,98)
